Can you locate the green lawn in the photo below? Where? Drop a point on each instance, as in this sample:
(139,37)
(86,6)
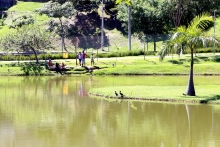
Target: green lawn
(205,64)
(163,93)
(22,8)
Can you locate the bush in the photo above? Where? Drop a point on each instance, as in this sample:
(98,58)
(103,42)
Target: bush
(29,68)
(216,59)
(26,69)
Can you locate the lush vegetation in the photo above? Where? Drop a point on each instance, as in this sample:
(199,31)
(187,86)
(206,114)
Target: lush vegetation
(155,13)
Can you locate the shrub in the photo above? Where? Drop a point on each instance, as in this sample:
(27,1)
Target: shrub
(29,68)
(216,59)
(26,69)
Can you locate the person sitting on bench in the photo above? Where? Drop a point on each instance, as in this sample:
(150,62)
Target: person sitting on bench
(58,69)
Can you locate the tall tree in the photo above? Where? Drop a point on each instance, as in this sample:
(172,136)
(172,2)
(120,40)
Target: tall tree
(191,37)
(28,38)
(183,11)
(128,3)
(147,18)
(56,10)
(177,9)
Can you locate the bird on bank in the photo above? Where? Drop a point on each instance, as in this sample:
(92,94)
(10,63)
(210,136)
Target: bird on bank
(116,94)
(122,95)
(184,94)
(90,70)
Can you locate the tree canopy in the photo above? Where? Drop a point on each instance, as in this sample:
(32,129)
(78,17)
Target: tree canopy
(29,38)
(56,10)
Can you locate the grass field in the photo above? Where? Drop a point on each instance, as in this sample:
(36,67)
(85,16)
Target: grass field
(23,8)
(205,64)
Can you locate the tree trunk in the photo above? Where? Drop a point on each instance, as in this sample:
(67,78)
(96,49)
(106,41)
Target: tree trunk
(35,54)
(129,28)
(155,44)
(62,36)
(190,89)
(76,56)
(63,44)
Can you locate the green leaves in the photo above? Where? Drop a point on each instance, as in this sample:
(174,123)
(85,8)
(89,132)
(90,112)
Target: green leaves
(27,38)
(29,68)
(20,21)
(191,37)
(128,2)
(56,10)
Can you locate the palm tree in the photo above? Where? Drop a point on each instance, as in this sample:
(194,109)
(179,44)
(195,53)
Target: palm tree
(191,37)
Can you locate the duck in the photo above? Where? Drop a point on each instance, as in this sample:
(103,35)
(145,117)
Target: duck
(116,94)
(122,95)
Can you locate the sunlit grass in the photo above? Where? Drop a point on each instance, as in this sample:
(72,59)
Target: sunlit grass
(26,6)
(136,65)
(23,8)
(168,93)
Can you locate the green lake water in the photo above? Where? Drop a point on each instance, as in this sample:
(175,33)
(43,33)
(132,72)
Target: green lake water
(57,112)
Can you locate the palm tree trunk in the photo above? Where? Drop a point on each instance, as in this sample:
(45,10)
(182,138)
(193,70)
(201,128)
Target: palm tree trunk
(190,89)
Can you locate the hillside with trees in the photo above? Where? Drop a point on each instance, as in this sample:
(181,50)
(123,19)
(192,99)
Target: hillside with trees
(151,21)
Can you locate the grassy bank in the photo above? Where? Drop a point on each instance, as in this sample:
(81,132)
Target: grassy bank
(206,93)
(205,64)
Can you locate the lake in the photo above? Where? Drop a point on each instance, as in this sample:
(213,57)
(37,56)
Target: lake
(56,111)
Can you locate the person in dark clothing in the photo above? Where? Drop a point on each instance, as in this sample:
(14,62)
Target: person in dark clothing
(58,69)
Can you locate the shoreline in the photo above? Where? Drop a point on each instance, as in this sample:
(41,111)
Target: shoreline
(201,101)
(86,73)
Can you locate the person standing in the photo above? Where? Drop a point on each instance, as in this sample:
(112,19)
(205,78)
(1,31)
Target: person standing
(79,58)
(92,59)
(83,56)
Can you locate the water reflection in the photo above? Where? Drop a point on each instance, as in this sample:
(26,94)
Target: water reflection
(56,111)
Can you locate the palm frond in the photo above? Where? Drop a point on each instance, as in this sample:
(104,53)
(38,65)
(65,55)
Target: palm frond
(202,22)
